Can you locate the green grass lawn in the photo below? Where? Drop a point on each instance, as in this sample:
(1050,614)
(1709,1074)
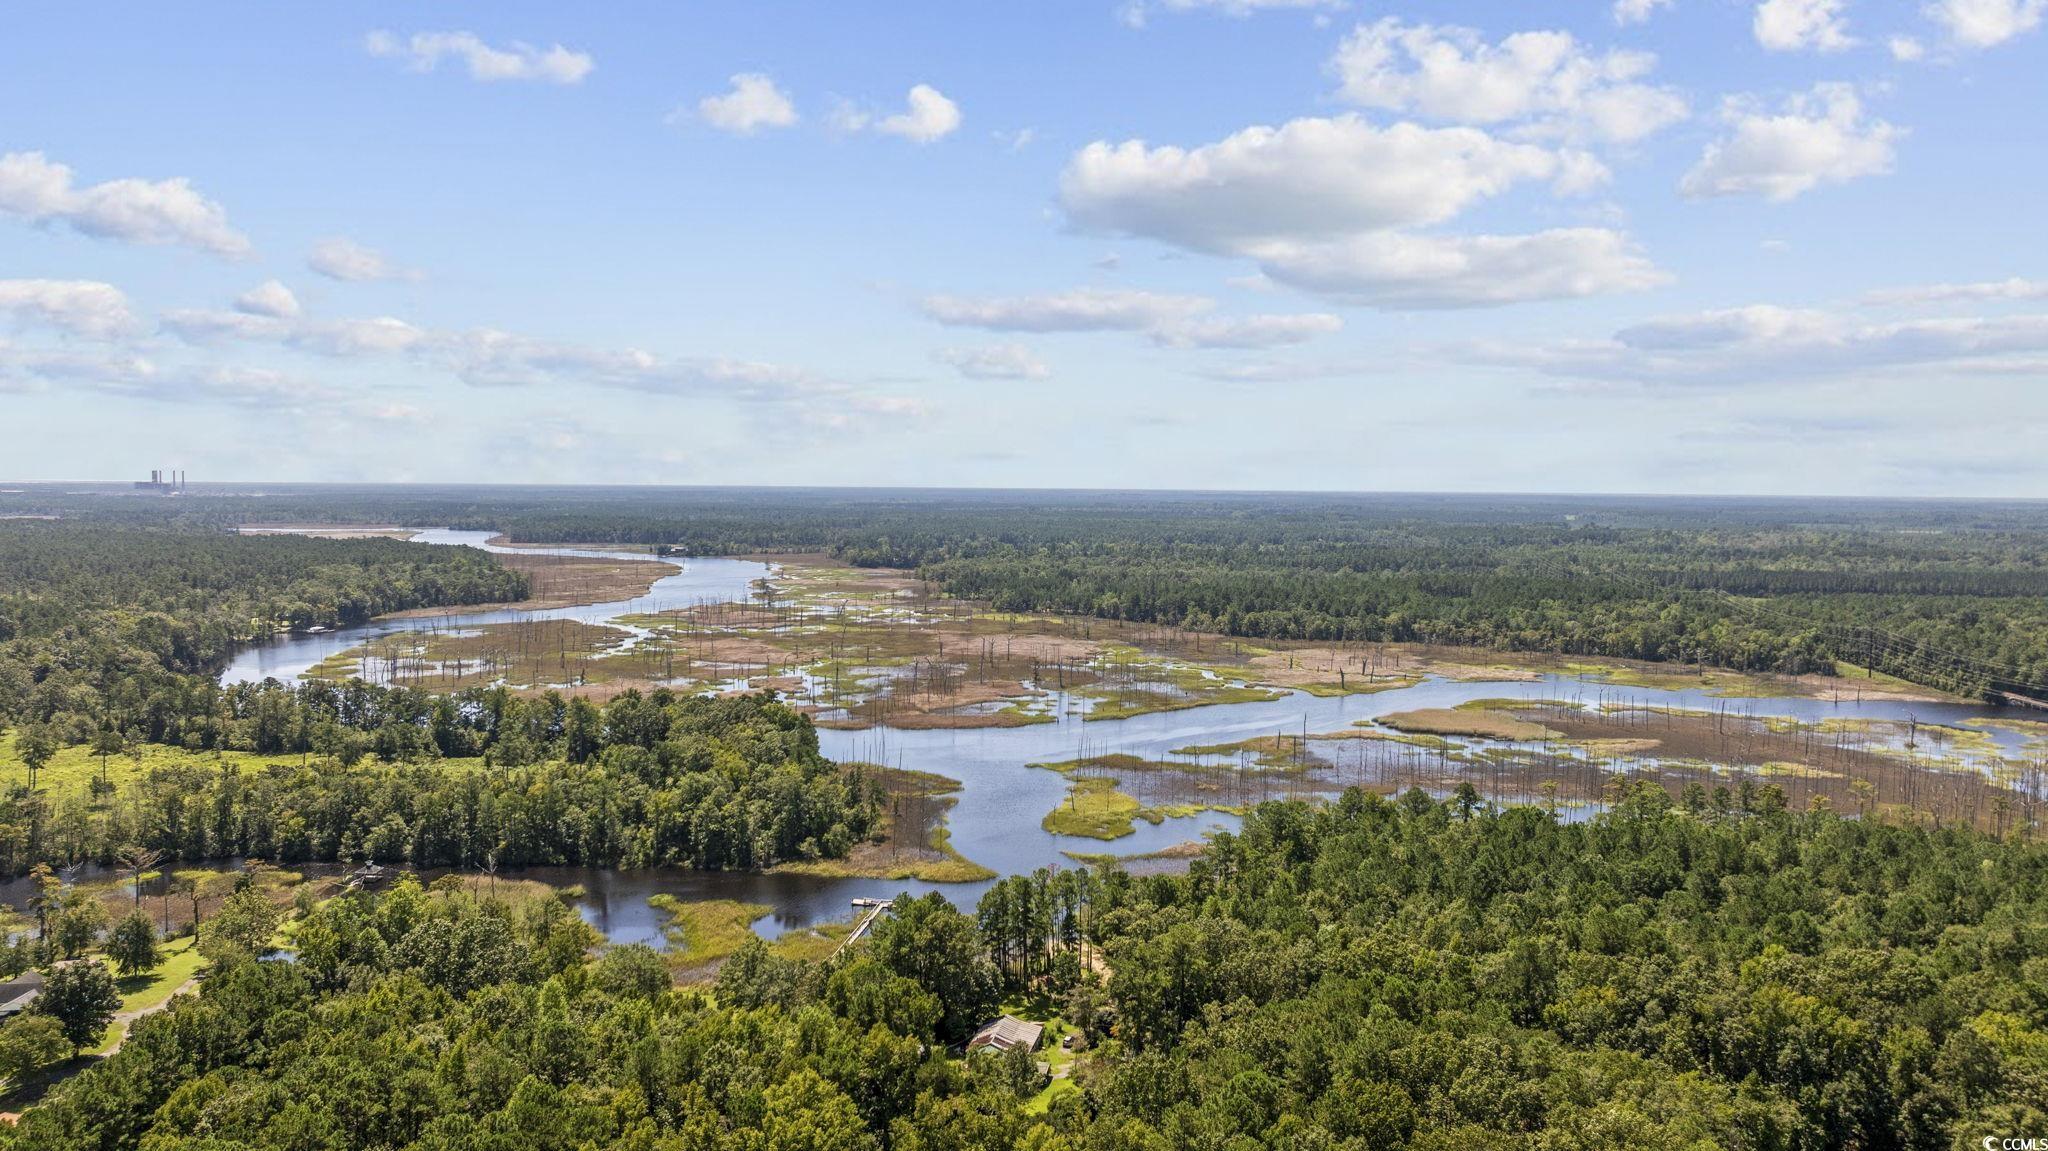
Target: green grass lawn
(148,991)
(1059,1061)
(72,769)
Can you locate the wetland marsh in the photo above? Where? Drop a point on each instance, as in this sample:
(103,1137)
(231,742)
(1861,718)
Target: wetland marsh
(1068,737)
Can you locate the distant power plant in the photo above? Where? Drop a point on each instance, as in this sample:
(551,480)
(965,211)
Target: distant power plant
(158,484)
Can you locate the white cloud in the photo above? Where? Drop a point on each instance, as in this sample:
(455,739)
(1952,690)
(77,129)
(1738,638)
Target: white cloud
(1261,331)
(1793,25)
(422,51)
(340,258)
(1401,270)
(1628,12)
(753,103)
(2015,288)
(1758,323)
(1546,82)
(489,358)
(1906,49)
(137,211)
(1136,11)
(344,338)
(1987,23)
(273,393)
(26,368)
(1762,345)
(1819,137)
(996,362)
(1169,320)
(1081,310)
(351,337)
(930,116)
(1315,176)
(1296,371)
(79,307)
(1329,204)
(269,298)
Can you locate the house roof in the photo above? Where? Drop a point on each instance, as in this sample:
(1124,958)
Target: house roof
(1007,1032)
(17,993)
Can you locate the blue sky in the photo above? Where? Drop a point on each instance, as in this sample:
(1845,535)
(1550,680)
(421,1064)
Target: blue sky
(1781,246)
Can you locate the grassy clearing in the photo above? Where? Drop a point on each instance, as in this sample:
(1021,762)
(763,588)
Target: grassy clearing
(1058,1061)
(73,769)
(148,991)
(706,930)
(1858,673)
(1473,723)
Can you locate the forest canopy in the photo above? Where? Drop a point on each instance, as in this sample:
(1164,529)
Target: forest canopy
(1378,974)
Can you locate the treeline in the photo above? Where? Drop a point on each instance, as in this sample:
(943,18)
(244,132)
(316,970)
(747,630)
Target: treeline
(1369,974)
(106,626)
(734,783)
(1752,584)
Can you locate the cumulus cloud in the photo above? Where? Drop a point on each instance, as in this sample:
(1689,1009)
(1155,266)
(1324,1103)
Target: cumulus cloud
(271,392)
(1332,205)
(995,362)
(41,191)
(85,308)
(1818,137)
(1766,344)
(424,51)
(340,258)
(491,358)
(1795,25)
(1173,321)
(269,298)
(2015,288)
(1406,270)
(1987,23)
(1260,331)
(1628,12)
(929,116)
(1316,176)
(28,368)
(1081,310)
(753,103)
(1905,49)
(339,338)
(1546,83)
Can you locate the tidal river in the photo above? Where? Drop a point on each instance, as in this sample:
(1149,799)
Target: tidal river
(1002,800)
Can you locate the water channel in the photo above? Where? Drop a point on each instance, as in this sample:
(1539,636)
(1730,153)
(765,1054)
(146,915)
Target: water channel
(1002,800)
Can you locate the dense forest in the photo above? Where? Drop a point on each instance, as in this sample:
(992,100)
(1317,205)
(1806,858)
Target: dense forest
(483,778)
(104,626)
(1370,974)
(1949,593)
